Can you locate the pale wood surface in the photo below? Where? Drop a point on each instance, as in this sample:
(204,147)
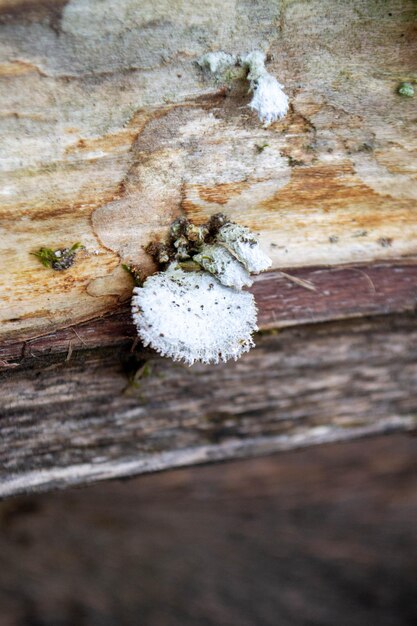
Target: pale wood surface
(109,130)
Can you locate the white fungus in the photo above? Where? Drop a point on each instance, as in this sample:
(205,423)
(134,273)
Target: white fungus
(217,62)
(244,245)
(195,310)
(190,316)
(219,261)
(269,100)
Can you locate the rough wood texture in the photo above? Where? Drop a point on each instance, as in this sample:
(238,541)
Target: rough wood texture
(299,387)
(110,130)
(325,294)
(325,536)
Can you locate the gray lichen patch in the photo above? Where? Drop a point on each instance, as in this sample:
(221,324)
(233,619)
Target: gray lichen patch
(219,261)
(406,89)
(217,62)
(244,244)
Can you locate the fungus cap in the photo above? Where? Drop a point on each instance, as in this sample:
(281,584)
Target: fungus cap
(191,316)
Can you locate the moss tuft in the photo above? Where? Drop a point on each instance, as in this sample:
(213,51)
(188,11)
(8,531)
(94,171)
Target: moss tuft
(58,260)
(406,89)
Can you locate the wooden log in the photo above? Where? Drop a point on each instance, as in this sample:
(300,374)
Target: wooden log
(104,414)
(298,296)
(110,130)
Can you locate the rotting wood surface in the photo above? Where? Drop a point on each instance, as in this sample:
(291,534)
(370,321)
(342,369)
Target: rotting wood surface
(296,297)
(110,130)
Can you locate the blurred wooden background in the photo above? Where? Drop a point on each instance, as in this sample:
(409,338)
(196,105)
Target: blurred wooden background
(321,536)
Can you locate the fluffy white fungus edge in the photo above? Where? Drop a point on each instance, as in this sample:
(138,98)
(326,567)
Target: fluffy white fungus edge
(191,316)
(269,99)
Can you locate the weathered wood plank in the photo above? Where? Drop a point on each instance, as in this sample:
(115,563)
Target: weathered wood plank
(302,386)
(110,129)
(338,293)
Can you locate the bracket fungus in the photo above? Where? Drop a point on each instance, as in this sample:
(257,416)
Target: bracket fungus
(194,309)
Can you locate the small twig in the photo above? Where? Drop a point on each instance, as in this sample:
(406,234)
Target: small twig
(300,281)
(368,278)
(356,269)
(69,353)
(80,338)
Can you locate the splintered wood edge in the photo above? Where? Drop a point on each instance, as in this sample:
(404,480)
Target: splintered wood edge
(284,298)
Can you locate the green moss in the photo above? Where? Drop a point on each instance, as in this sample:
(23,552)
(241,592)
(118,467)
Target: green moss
(294,162)
(406,89)
(58,260)
(233,73)
(133,271)
(260,147)
(134,386)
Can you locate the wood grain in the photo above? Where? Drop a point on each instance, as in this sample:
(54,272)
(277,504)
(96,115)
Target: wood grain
(335,293)
(110,130)
(109,413)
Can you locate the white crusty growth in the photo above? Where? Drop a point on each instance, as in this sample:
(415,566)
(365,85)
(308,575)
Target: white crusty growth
(244,244)
(195,309)
(217,62)
(269,100)
(190,316)
(219,261)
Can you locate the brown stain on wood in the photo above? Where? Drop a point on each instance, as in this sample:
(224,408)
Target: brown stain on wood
(331,188)
(221,193)
(323,186)
(17,68)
